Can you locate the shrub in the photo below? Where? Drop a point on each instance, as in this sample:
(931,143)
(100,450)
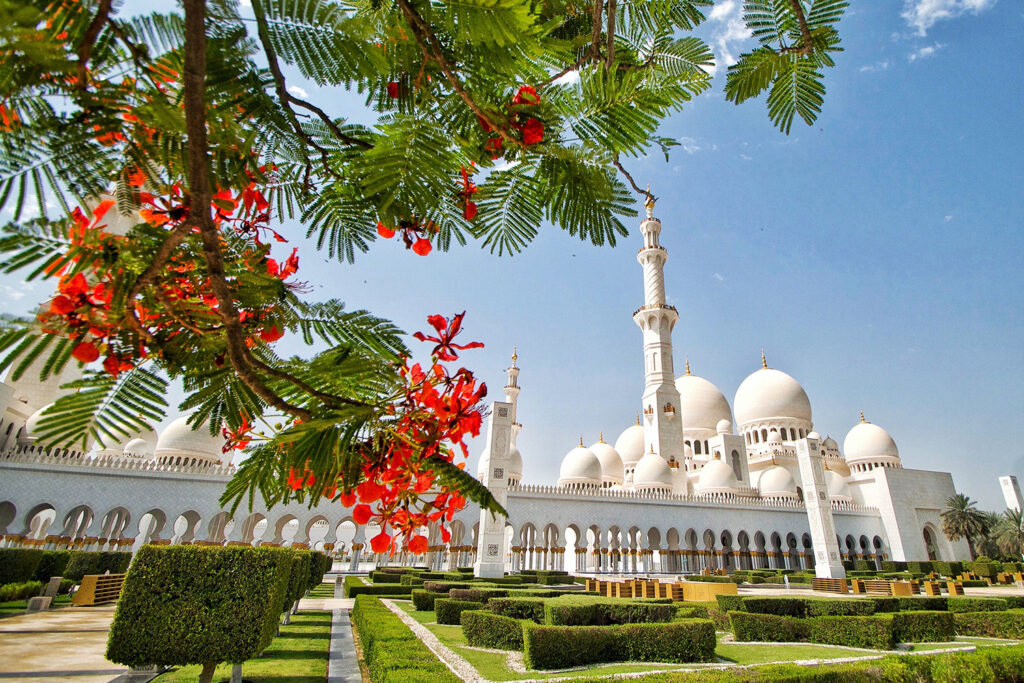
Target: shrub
(840,607)
(550,647)
(518,608)
(319,565)
(870,632)
(424,600)
(923,627)
(445,576)
(449,611)
(443,586)
(354,587)
(950,569)
(782,607)
(730,603)
(385,577)
(975,583)
(198,605)
(986,570)
(20,591)
(894,566)
(566,611)
(920,567)
(298,580)
(930,603)
(766,628)
(52,563)
(863,565)
(503,580)
(393,654)
(480,595)
(963,604)
(465,570)
(1008,624)
(18,565)
(483,628)
(411,580)
(1014,601)
(85,562)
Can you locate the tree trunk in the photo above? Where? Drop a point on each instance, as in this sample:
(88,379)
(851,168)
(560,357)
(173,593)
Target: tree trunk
(236,673)
(970,547)
(207,675)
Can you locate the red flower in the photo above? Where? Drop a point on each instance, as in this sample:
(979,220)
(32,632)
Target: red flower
(295,479)
(271,334)
(526,95)
(361,514)
(114,365)
(61,305)
(470,211)
(86,352)
(380,543)
(347,499)
(533,132)
(493,146)
(393,90)
(418,545)
(484,124)
(445,349)
(384,231)
(370,491)
(423,483)
(422,246)
(445,534)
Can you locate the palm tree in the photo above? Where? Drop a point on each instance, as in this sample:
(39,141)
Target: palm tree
(1009,534)
(963,519)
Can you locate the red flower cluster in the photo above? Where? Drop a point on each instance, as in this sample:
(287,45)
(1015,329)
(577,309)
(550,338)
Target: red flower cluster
(237,439)
(438,411)
(531,127)
(413,234)
(468,190)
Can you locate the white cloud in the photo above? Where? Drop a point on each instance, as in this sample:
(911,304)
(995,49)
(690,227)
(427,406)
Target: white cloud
(689,145)
(728,32)
(925,52)
(921,15)
(745,157)
(877,66)
(297,91)
(19,292)
(719,277)
(948,218)
(568,79)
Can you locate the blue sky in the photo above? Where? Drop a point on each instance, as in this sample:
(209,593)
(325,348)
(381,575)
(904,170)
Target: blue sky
(875,255)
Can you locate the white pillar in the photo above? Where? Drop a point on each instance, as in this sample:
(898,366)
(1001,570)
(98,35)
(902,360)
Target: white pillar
(828,563)
(490,560)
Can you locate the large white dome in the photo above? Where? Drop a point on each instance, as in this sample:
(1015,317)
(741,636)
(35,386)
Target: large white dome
(180,440)
(776,481)
(652,472)
(868,441)
(138,448)
(838,489)
(515,468)
(630,445)
(612,469)
(703,404)
(769,394)
(716,476)
(580,466)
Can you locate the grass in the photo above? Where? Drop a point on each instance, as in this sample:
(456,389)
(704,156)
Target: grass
(324,590)
(16,607)
(298,655)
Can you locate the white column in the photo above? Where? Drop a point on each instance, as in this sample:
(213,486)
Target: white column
(828,563)
(490,560)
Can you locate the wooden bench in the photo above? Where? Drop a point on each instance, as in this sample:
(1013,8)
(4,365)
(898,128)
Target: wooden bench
(877,587)
(97,589)
(955,587)
(623,590)
(857,586)
(830,585)
(902,587)
(932,588)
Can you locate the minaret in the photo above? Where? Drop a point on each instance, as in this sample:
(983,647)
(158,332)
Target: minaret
(663,430)
(512,390)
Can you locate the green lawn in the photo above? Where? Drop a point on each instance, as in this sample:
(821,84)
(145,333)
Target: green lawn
(324,590)
(16,607)
(298,655)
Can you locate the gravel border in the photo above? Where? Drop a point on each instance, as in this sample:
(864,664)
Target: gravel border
(459,666)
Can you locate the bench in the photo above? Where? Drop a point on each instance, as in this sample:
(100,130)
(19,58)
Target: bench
(903,587)
(955,587)
(932,588)
(97,589)
(830,585)
(857,586)
(877,587)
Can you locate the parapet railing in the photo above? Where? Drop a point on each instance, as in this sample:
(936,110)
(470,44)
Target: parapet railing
(37,455)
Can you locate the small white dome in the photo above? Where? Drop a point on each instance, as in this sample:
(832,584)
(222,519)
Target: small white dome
(515,468)
(703,404)
(724,426)
(483,464)
(814,435)
(830,443)
(716,476)
(868,441)
(768,394)
(630,445)
(652,472)
(776,481)
(32,427)
(688,452)
(580,466)
(838,489)
(180,440)
(774,437)
(139,448)
(612,469)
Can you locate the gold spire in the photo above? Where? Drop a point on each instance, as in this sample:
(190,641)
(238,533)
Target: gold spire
(638,419)
(581,442)
(687,365)
(862,416)
(764,361)
(515,354)
(600,439)
(652,449)
(649,202)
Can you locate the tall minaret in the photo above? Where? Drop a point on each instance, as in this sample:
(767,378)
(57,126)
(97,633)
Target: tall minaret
(663,429)
(512,395)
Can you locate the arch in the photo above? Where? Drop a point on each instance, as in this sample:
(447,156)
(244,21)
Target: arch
(792,555)
(185,526)
(764,434)
(737,467)
(696,447)
(115,523)
(37,520)
(8,513)
(76,522)
(151,523)
(931,545)
(215,529)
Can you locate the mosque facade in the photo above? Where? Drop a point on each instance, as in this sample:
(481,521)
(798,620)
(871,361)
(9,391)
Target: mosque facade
(696,483)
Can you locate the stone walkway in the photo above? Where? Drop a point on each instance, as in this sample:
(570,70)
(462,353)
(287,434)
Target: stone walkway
(59,645)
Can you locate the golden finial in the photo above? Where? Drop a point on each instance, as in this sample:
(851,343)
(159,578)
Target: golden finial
(687,365)
(649,202)
(862,416)
(600,439)
(652,449)
(515,354)
(638,419)
(581,442)
(764,361)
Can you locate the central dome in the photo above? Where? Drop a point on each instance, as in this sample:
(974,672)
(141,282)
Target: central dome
(776,481)
(652,472)
(580,466)
(630,444)
(771,394)
(867,441)
(703,404)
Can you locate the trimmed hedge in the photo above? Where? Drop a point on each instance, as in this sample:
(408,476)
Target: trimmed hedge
(766,628)
(443,586)
(948,568)
(875,632)
(484,628)
(480,595)
(920,567)
(986,570)
(196,605)
(423,600)
(20,591)
(923,627)
(354,587)
(930,603)
(52,563)
(18,565)
(411,580)
(781,607)
(730,603)
(964,604)
(1008,624)
(393,654)
(566,611)
(839,608)
(298,580)
(319,565)
(552,647)
(386,577)
(86,562)
(445,576)
(518,608)
(449,611)
(506,581)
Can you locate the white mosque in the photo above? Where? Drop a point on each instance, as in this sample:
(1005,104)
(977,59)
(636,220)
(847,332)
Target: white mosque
(694,484)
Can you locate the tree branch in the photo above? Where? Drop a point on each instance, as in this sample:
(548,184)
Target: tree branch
(89,41)
(609,57)
(636,188)
(805,32)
